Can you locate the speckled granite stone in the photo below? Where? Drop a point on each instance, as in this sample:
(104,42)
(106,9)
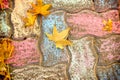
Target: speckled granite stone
(83,59)
(108,50)
(71,6)
(5,29)
(111,14)
(25,52)
(20,31)
(89,22)
(110,72)
(34,72)
(51,54)
(104,5)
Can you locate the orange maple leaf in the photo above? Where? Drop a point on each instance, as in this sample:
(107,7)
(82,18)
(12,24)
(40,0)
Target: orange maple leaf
(4,4)
(108,25)
(6,49)
(39,8)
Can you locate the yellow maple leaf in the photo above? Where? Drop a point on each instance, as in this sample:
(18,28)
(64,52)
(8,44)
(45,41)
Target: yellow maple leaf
(4,71)
(3,68)
(39,8)
(59,37)
(7,76)
(108,25)
(6,49)
(62,43)
(29,20)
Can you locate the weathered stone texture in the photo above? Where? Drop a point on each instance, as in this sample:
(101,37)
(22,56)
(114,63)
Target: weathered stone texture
(51,54)
(25,52)
(89,22)
(5,28)
(110,72)
(71,6)
(105,5)
(83,59)
(34,72)
(20,31)
(108,50)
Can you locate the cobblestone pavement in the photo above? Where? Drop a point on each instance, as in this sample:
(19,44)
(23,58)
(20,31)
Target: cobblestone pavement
(94,54)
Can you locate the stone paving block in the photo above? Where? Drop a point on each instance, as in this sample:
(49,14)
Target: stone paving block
(71,6)
(108,50)
(89,22)
(105,5)
(94,55)
(5,29)
(20,31)
(36,72)
(25,52)
(51,54)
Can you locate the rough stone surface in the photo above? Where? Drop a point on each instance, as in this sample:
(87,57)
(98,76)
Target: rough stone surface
(89,22)
(104,5)
(94,55)
(71,6)
(111,14)
(51,54)
(110,72)
(83,59)
(34,72)
(25,53)
(20,9)
(5,29)
(108,50)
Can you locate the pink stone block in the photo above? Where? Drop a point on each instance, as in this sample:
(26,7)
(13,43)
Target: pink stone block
(112,14)
(109,50)
(89,22)
(25,53)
